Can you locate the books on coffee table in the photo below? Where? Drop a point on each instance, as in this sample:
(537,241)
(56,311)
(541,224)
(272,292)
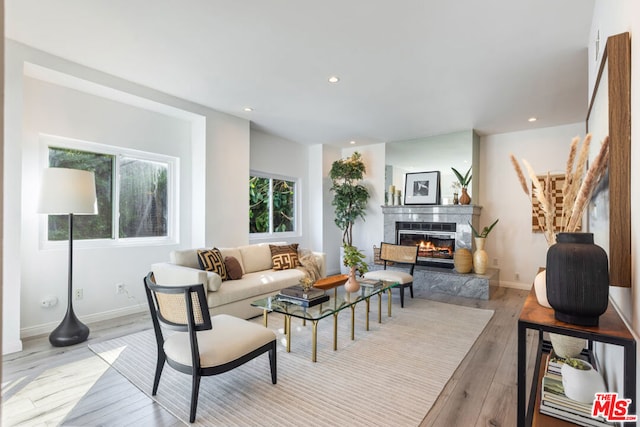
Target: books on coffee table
(297,295)
(370,283)
(303,302)
(298,292)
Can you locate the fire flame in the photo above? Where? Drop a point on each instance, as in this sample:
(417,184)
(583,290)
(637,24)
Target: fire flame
(428,249)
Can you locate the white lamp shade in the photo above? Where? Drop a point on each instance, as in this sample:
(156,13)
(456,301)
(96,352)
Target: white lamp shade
(64,191)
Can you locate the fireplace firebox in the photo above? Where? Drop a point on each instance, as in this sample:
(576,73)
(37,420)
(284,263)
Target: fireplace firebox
(436,241)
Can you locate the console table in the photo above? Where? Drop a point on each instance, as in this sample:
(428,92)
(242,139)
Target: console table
(611,330)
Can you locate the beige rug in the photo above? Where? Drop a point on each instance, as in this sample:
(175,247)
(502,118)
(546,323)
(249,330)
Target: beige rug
(390,375)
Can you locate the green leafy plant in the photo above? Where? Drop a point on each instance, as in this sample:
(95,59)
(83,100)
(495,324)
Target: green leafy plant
(463,180)
(577,364)
(485,231)
(354,258)
(350,196)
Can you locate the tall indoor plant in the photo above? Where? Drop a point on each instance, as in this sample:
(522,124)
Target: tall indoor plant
(350,195)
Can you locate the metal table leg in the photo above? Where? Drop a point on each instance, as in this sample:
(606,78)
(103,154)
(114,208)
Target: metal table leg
(335,331)
(287,327)
(353,321)
(314,343)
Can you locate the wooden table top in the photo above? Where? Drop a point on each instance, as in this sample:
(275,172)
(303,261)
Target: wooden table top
(610,323)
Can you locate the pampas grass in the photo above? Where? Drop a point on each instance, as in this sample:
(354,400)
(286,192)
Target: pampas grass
(523,182)
(576,191)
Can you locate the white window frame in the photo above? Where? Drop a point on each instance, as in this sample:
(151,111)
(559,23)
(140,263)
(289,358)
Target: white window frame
(173,220)
(296,207)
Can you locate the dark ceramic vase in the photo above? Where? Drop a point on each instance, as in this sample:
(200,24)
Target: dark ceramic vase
(577,279)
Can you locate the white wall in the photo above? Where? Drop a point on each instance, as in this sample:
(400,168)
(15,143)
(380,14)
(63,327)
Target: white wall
(57,110)
(331,234)
(214,159)
(275,155)
(517,249)
(610,18)
(371,231)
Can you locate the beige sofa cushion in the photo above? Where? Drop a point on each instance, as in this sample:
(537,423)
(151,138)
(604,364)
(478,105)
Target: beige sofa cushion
(253,284)
(170,274)
(256,257)
(187,257)
(234,252)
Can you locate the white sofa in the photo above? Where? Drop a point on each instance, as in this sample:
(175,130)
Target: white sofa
(233,297)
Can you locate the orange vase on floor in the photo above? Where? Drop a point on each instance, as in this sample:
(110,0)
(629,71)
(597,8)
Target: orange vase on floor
(465,199)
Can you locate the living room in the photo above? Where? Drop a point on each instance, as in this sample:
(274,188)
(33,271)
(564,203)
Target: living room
(49,96)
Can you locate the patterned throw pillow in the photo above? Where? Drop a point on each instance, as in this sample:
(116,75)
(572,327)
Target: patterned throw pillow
(212,260)
(234,270)
(284,257)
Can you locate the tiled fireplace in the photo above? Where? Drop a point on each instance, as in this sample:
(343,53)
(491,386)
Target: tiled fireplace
(438,231)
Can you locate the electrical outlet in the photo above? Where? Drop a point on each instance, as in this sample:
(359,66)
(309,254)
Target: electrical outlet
(79,294)
(517,276)
(495,262)
(120,288)
(48,302)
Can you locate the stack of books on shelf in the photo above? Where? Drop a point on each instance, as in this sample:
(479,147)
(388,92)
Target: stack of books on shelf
(297,295)
(556,404)
(370,283)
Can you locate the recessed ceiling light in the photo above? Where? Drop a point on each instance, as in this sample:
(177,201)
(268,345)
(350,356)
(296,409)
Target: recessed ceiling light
(532,119)
(334,79)
(352,142)
(247,109)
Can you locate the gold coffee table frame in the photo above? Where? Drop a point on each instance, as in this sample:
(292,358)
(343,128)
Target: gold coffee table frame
(337,302)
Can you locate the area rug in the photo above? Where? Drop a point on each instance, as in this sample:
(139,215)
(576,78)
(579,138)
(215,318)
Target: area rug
(389,375)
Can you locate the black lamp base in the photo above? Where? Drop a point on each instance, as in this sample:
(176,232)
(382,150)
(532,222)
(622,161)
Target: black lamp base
(69,332)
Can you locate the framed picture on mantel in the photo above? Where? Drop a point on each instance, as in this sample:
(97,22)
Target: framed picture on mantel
(422,188)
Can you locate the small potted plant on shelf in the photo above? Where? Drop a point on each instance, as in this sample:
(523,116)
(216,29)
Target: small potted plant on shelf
(464,181)
(354,259)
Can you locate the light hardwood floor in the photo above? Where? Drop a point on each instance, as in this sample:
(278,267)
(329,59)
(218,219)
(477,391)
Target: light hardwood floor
(87,392)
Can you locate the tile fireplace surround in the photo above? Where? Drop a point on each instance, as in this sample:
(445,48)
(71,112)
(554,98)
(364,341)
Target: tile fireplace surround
(445,280)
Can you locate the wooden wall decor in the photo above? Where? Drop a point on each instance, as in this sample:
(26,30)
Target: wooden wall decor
(538,222)
(615,70)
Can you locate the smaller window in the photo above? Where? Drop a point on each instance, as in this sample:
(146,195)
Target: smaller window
(272,204)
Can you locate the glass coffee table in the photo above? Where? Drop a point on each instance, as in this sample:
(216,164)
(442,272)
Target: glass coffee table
(337,302)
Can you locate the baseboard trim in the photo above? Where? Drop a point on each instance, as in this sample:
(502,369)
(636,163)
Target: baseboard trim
(11,347)
(46,328)
(515,285)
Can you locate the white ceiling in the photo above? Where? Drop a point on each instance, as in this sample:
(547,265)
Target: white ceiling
(408,68)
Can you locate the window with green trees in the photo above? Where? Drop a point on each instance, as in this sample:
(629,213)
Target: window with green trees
(272,204)
(132,192)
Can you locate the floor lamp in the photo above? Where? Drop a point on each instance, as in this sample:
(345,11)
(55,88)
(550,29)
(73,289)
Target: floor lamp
(68,192)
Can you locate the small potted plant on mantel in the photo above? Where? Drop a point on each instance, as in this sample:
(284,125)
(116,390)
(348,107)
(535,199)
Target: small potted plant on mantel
(464,181)
(355,260)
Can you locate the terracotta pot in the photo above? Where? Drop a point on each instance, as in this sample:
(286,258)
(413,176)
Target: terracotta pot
(352,284)
(465,199)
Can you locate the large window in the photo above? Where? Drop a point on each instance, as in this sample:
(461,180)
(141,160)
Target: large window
(272,204)
(133,190)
